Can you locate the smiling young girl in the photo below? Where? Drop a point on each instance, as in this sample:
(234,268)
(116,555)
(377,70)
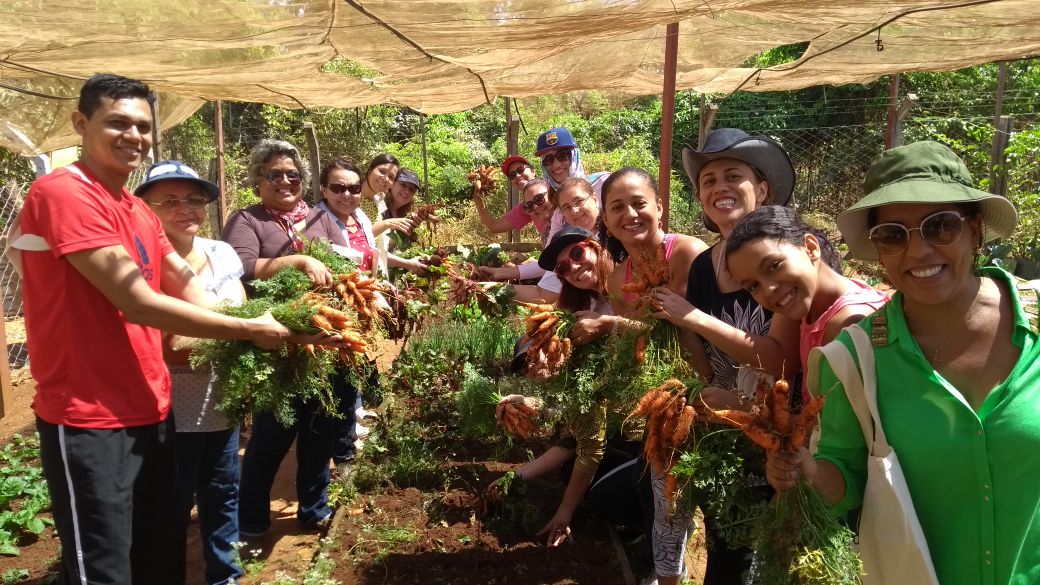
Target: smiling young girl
(789,269)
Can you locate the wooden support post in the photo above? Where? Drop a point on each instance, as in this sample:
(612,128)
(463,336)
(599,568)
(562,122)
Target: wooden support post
(997,158)
(706,122)
(664,176)
(512,149)
(425,160)
(893,98)
(156,133)
(6,399)
(315,160)
(221,174)
(901,113)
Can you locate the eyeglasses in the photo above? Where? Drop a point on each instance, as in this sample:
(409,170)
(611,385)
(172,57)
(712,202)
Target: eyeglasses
(175,204)
(340,188)
(938,229)
(517,172)
(574,205)
(563,155)
(534,203)
(275,177)
(576,255)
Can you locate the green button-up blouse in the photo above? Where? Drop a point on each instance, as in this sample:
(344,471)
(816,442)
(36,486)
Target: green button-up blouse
(974,477)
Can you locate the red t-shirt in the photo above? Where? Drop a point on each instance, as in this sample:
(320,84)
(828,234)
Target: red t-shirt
(93,368)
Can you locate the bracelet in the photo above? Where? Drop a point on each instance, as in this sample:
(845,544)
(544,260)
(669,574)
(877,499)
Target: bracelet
(613,330)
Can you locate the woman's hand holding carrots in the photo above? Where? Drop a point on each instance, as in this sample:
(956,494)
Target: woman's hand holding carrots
(784,468)
(317,272)
(673,307)
(589,327)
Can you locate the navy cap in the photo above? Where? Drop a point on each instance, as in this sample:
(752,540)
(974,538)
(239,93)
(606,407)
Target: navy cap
(408,176)
(174,170)
(554,139)
(563,238)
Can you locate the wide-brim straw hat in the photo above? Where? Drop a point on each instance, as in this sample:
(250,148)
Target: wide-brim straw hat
(763,153)
(923,172)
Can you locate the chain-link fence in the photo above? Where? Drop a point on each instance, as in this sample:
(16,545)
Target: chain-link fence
(11,196)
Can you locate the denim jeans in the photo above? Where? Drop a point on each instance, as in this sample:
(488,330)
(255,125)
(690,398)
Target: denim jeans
(268,444)
(207,474)
(346,432)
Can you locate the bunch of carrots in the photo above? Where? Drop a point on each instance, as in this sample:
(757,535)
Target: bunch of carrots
(548,345)
(648,271)
(361,293)
(771,424)
(425,214)
(333,321)
(668,423)
(518,418)
(483,179)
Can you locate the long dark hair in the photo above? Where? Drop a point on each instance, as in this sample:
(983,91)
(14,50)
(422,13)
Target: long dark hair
(573,298)
(784,225)
(614,246)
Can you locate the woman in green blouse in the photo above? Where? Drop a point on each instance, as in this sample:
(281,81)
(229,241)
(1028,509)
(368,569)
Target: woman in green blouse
(958,373)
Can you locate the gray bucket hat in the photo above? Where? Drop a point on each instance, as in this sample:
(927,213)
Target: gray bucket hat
(922,172)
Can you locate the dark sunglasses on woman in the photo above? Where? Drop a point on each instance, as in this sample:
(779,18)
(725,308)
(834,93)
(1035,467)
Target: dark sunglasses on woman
(576,255)
(535,203)
(275,177)
(517,171)
(340,188)
(938,229)
(563,155)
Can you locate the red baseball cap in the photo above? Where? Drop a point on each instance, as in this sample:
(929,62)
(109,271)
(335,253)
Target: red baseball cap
(510,161)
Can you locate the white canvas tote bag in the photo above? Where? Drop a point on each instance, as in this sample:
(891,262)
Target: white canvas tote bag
(891,542)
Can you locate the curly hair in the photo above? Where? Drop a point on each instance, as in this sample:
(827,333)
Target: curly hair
(264,151)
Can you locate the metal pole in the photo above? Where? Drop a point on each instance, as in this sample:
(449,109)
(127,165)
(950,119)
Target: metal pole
(156,134)
(893,98)
(221,176)
(512,149)
(664,177)
(425,161)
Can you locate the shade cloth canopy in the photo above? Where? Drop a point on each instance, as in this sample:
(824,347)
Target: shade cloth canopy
(438,56)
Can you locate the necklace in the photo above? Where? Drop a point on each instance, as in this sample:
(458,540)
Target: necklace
(719,262)
(934,360)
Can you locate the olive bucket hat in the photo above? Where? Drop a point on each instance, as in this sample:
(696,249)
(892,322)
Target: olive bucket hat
(771,160)
(922,172)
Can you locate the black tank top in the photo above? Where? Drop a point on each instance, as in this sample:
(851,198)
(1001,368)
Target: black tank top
(735,308)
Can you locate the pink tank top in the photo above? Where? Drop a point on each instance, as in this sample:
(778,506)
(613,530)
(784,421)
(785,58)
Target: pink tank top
(669,247)
(811,334)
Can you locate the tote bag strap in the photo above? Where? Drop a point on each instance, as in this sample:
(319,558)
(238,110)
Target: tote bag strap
(849,376)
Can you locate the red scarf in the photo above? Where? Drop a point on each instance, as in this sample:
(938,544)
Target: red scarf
(290,218)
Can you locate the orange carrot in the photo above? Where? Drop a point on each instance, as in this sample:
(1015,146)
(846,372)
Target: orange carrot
(322,323)
(682,429)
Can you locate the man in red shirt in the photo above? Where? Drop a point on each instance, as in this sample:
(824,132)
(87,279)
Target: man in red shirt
(100,282)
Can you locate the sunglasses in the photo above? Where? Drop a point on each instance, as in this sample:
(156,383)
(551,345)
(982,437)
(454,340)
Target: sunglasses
(574,205)
(535,203)
(275,177)
(938,229)
(576,255)
(175,204)
(517,172)
(563,155)
(340,188)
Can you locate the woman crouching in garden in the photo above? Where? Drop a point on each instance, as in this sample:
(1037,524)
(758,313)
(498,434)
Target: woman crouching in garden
(598,470)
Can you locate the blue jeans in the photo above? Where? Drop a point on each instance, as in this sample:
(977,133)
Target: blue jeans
(268,444)
(343,450)
(207,473)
